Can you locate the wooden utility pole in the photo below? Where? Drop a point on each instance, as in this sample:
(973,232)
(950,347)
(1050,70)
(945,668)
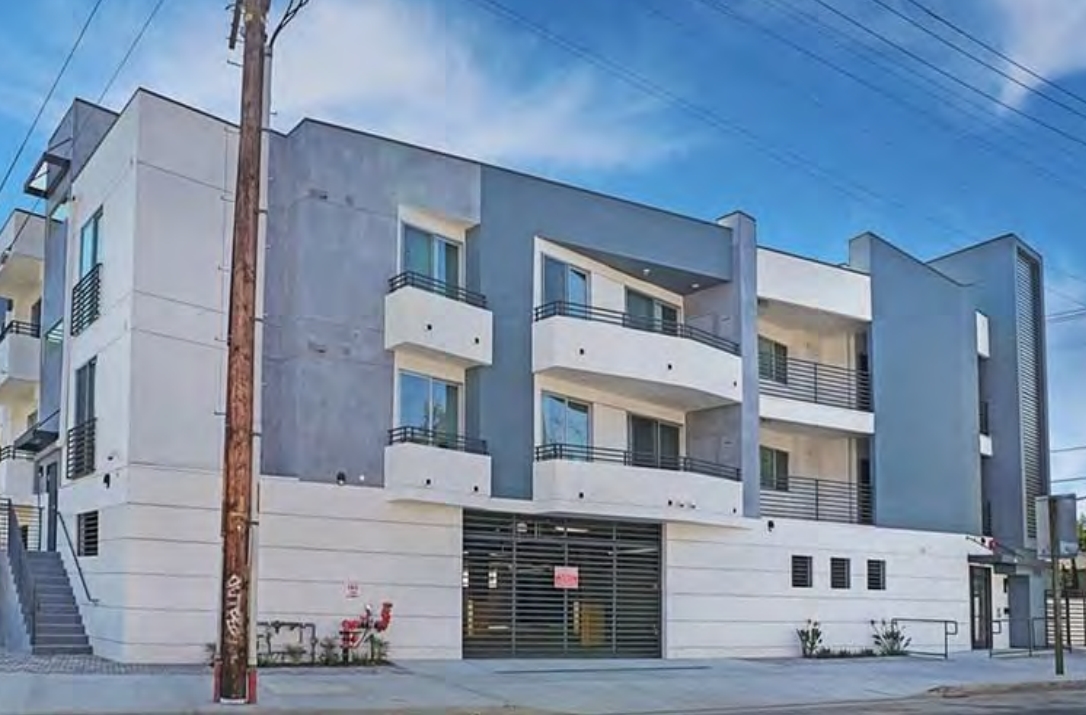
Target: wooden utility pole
(1057,579)
(233,671)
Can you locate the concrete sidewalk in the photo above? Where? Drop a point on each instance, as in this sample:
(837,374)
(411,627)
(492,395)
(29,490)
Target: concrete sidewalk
(577,687)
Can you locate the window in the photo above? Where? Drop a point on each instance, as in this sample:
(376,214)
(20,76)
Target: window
(563,283)
(88,244)
(802,572)
(565,421)
(84,393)
(772,360)
(840,573)
(86,526)
(876,575)
(654,443)
(431,255)
(651,314)
(774,468)
(429,403)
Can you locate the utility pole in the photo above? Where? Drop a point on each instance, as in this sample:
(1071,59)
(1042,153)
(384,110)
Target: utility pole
(233,673)
(1054,555)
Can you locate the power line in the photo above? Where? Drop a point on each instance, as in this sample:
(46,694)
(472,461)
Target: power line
(1060,450)
(951,76)
(994,50)
(915,23)
(49,95)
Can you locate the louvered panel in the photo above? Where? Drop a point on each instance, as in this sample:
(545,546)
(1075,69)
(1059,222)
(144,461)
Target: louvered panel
(1027,299)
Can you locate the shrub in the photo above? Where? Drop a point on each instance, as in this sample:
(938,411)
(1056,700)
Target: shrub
(810,638)
(890,638)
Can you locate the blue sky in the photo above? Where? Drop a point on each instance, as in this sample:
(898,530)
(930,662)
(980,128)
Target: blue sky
(674,104)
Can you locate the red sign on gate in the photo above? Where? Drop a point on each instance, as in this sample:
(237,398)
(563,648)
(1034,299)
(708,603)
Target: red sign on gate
(566,577)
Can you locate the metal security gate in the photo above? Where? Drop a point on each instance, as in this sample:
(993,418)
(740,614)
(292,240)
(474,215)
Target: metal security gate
(560,588)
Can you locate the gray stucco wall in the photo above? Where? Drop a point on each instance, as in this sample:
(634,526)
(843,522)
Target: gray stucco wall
(989,269)
(13,635)
(925,454)
(331,247)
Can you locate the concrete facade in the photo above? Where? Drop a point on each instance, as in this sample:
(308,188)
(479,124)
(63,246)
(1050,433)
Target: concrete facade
(758,406)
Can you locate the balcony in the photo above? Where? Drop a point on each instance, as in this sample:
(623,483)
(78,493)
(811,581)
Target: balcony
(20,360)
(437,467)
(985,431)
(86,298)
(667,362)
(439,319)
(22,239)
(39,436)
(575,479)
(16,475)
(81,439)
(815,394)
(817,500)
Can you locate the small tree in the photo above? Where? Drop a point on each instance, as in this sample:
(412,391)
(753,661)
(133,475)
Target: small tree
(810,638)
(890,638)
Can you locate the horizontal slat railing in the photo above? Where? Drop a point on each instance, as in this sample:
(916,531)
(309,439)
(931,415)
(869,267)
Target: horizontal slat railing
(582,453)
(20,327)
(818,500)
(816,382)
(410,279)
(636,322)
(86,296)
(27,523)
(81,440)
(434,438)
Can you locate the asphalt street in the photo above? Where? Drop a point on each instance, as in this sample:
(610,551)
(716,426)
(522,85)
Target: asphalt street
(1072,702)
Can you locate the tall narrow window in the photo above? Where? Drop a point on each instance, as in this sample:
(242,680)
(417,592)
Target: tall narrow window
(654,443)
(802,572)
(562,283)
(774,468)
(84,393)
(566,422)
(647,313)
(86,528)
(840,573)
(88,244)
(876,575)
(431,256)
(772,360)
(429,404)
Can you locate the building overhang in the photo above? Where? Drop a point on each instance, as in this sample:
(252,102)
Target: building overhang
(47,174)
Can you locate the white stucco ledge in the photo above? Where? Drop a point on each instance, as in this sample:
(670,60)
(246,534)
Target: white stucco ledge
(620,491)
(984,347)
(439,326)
(812,284)
(784,409)
(985,445)
(419,472)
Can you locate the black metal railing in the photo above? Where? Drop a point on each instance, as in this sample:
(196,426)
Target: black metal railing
(11,452)
(40,435)
(20,570)
(434,438)
(984,428)
(818,500)
(86,298)
(636,322)
(582,453)
(75,557)
(947,629)
(20,327)
(815,382)
(410,279)
(28,525)
(81,449)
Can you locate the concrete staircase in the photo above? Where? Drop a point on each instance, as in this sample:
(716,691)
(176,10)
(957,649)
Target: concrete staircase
(59,627)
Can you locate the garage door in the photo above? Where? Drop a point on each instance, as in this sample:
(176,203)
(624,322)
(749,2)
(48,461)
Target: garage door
(556,587)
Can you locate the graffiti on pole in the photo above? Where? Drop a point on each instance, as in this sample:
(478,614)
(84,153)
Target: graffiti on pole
(233,621)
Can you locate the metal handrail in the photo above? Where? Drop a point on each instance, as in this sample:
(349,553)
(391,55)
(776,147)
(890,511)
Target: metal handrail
(799,497)
(583,453)
(86,300)
(997,629)
(950,628)
(75,558)
(20,327)
(20,567)
(434,438)
(637,322)
(411,279)
(816,382)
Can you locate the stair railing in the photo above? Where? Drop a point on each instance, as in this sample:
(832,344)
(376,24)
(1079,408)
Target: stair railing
(75,558)
(20,567)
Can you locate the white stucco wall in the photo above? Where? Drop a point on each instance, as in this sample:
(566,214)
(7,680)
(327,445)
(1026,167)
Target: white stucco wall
(799,281)
(819,455)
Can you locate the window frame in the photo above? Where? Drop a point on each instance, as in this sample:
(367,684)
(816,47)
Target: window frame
(566,400)
(843,583)
(85,547)
(772,360)
(569,269)
(776,481)
(435,240)
(800,562)
(80,393)
(659,460)
(430,380)
(95,222)
(876,578)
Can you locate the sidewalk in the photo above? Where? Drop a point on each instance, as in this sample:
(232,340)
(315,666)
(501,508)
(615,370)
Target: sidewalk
(511,687)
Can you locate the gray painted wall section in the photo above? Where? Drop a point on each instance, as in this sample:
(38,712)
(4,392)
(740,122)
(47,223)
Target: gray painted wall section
(332,245)
(925,454)
(516,209)
(13,635)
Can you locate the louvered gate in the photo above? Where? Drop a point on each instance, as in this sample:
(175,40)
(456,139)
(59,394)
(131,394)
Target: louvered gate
(558,587)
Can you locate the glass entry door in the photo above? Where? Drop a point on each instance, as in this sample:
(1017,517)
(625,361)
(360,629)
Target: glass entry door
(653,443)
(980,606)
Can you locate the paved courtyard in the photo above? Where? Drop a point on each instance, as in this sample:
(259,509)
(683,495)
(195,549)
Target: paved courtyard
(37,686)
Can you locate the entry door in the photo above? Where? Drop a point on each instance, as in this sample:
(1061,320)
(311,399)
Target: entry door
(653,443)
(980,600)
(52,489)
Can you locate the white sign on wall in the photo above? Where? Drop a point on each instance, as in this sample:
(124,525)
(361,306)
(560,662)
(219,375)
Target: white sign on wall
(352,589)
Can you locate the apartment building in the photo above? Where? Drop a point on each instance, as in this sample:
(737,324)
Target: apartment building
(541,421)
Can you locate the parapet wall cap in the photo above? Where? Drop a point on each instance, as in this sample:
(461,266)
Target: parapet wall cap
(737,212)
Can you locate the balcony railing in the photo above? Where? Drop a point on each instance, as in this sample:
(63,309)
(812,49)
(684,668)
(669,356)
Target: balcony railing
(81,449)
(19,327)
(86,296)
(582,453)
(11,452)
(637,322)
(984,428)
(815,382)
(410,279)
(433,438)
(817,500)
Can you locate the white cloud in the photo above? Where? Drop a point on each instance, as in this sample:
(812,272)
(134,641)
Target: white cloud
(419,72)
(1045,36)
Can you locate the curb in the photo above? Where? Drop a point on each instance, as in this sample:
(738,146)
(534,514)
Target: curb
(968,691)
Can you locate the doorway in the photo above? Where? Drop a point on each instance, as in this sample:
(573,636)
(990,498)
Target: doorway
(52,489)
(980,606)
